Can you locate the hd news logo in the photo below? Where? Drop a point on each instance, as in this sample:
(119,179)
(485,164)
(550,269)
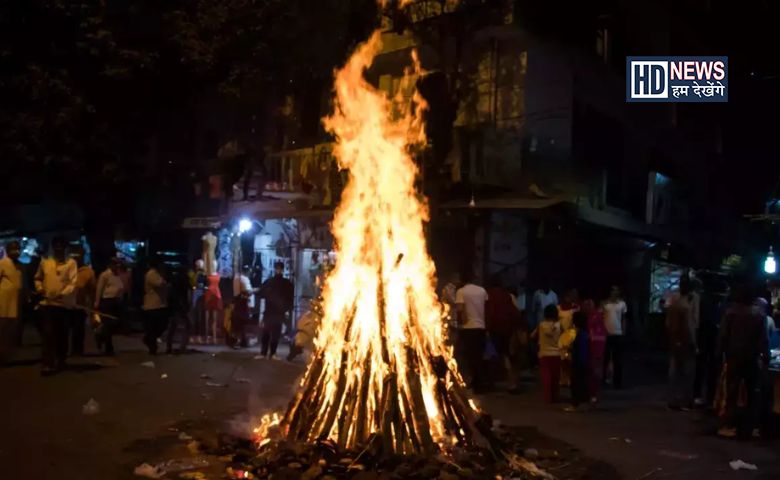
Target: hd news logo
(677,79)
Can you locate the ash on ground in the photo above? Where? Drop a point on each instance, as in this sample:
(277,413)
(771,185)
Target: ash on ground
(527,454)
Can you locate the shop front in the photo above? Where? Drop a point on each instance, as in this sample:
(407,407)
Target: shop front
(259,237)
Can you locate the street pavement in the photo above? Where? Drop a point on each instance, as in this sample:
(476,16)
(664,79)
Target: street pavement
(143,411)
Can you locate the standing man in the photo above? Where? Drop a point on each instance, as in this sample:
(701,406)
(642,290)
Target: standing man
(278,294)
(615,322)
(244,299)
(85,292)
(155,306)
(10,288)
(744,345)
(470,300)
(681,331)
(55,281)
(502,320)
(108,299)
(707,363)
(179,309)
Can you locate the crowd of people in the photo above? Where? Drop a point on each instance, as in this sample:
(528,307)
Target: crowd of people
(67,297)
(717,357)
(727,353)
(574,343)
(579,344)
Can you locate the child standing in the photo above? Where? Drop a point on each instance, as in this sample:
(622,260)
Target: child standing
(549,333)
(580,361)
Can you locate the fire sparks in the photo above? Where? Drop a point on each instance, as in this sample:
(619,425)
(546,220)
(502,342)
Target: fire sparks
(264,432)
(381,368)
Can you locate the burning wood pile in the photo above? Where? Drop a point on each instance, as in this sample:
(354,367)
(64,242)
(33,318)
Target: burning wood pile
(324,459)
(382,378)
(381,365)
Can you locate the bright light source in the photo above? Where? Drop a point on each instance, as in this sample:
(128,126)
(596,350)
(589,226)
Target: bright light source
(770,265)
(244,225)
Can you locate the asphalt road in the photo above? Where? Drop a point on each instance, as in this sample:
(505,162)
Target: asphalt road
(45,435)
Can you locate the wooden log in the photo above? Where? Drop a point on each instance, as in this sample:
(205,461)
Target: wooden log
(324,428)
(388,411)
(461,429)
(347,416)
(380,301)
(409,425)
(361,431)
(314,406)
(418,410)
(297,407)
(398,426)
(306,415)
(301,418)
(445,406)
(478,432)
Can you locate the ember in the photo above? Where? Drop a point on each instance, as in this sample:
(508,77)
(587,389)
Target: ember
(324,459)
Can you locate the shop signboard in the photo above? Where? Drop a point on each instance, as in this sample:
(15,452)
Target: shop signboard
(201,222)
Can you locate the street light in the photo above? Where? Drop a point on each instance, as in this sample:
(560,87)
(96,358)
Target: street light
(244,225)
(770,265)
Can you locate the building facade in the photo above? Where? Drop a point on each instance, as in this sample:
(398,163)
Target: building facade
(536,168)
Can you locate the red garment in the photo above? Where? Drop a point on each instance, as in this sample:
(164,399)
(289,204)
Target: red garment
(212,299)
(550,370)
(501,314)
(598,341)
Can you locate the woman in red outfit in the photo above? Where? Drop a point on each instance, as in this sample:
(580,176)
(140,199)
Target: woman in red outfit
(598,341)
(212,304)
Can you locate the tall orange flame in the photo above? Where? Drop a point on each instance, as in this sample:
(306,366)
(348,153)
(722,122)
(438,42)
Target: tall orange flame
(380,219)
(381,364)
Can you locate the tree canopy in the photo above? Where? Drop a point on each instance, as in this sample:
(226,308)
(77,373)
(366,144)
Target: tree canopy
(107,93)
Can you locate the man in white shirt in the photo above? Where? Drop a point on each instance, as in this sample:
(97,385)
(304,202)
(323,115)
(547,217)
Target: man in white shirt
(470,301)
(615,323)
(155,306)
(242,285)
(55,281)
(244,306)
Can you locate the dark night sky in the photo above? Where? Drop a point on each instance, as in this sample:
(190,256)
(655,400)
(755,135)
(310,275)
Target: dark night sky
(748,34)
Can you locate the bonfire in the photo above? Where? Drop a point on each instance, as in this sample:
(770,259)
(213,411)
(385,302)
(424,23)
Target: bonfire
(382,374)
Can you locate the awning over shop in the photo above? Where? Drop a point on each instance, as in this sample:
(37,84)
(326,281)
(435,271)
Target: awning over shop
(506,203)
(291,206)
(629,225)
(201,222)
(597,217)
